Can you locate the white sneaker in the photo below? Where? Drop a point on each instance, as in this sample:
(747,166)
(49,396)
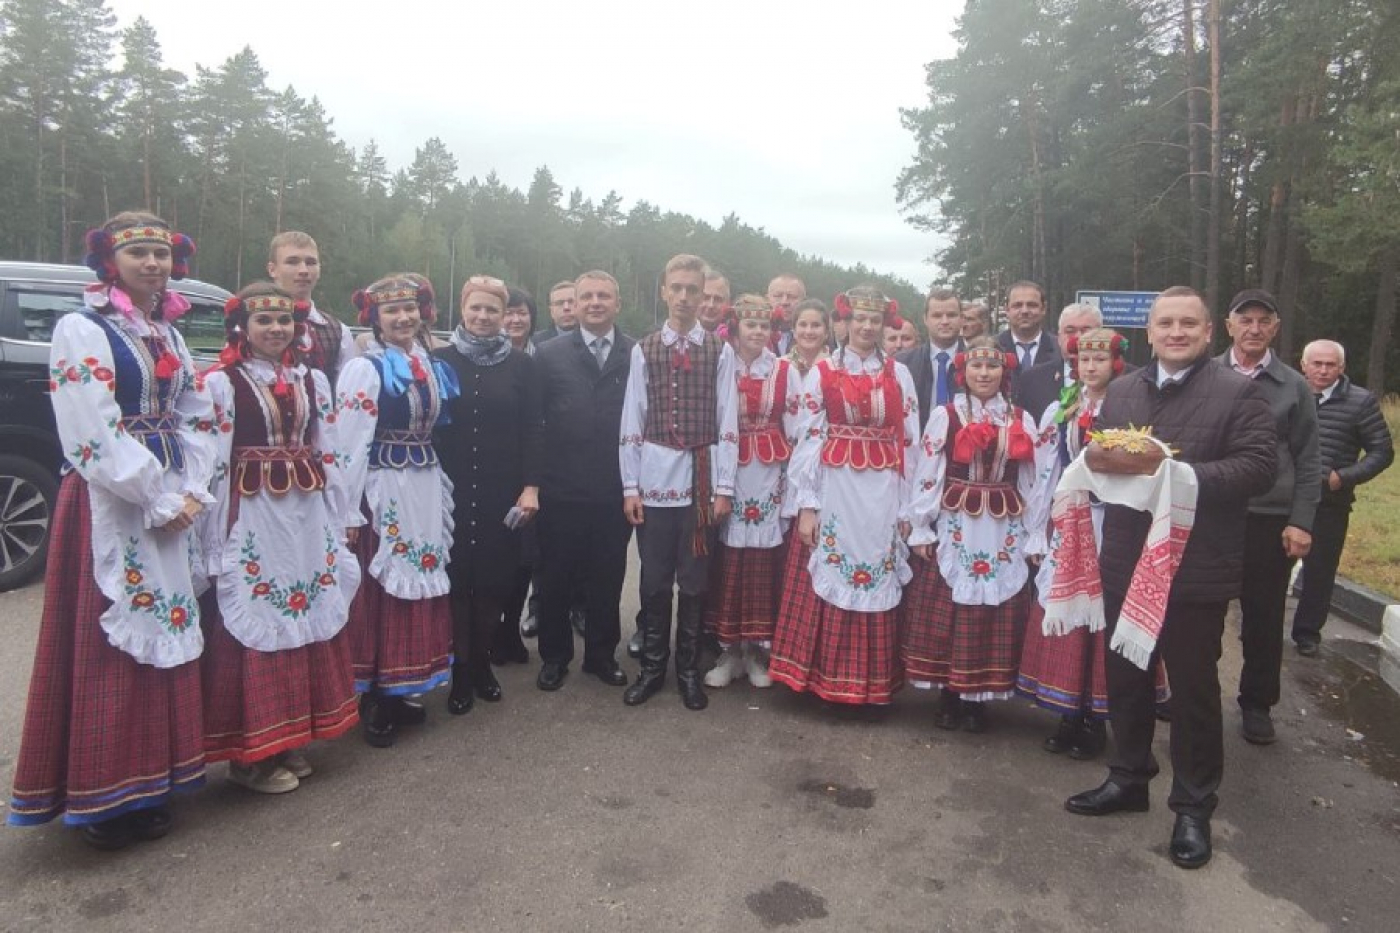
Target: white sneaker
(296,763)
(756,665)
(727,666)
(265,777)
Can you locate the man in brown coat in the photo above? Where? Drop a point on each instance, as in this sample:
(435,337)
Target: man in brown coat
(1222,428)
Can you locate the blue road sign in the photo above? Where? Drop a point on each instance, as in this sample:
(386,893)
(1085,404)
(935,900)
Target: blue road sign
(1120,309)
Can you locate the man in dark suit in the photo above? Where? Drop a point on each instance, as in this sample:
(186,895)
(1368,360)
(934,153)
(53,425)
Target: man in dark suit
(931,363)
(583,531)
(1025,334)
(1040,385)
(562,316)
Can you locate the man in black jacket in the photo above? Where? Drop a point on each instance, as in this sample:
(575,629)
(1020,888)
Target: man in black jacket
(1042,384)
(1279,528)
(583,531)
(562,315)
(1221,426)
(1350,426)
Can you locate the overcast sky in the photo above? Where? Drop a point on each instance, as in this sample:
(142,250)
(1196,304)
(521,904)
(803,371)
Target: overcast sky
(766,108)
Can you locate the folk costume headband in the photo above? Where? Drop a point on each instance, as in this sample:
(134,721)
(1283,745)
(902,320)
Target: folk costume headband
(993,354)
(847,304)
(102,245)
(394,290)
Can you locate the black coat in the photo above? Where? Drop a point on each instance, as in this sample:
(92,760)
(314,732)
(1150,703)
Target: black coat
(582,411)
(920,364)
(1349,422)
(1039,386)
(1221,425)
(1047,351)
(491,451)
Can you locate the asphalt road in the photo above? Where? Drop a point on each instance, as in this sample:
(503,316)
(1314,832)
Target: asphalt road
(571,812)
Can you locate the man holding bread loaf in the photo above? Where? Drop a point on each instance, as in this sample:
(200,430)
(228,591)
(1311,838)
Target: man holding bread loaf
(1217,423)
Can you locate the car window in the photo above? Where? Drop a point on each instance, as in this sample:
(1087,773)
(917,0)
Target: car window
(38,310)
(203,326)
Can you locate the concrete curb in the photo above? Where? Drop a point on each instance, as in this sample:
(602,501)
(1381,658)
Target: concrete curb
(1390,648)
(1359,605)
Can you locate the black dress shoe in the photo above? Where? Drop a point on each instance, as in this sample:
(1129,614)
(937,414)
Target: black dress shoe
(634,645)
(151,823)
(1063,739)
(487,687)
(109,835)
(551,676)
(974,717)
(1190,846)
(1110,797)
(578,620)
(692,693)
(609,673)
(407,712)
(644,687)
(377,720)
(1309,649)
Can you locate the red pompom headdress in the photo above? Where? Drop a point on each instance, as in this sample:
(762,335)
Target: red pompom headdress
(236,313)
(397,290)
(1007,362)
(847,304)
(102,246)
(1116,346)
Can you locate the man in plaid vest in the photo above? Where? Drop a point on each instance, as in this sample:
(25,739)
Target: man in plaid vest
(679,451)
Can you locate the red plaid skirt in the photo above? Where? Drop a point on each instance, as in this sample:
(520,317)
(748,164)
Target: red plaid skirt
(840,655)
(260,703)
(103,734)
(398,646)
(1065,673)
(970,650)
(743,600)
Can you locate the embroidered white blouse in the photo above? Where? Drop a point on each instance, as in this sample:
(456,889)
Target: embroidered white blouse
(152,576)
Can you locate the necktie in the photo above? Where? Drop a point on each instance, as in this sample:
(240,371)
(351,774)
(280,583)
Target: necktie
(1027,353)
(940,379)
(600,350)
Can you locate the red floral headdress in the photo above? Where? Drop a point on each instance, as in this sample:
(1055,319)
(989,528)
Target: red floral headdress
(847,304)
(102,245)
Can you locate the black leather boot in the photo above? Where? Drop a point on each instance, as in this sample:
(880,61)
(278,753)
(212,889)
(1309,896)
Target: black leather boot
(377,719)
(689,619)
(656,651)
(461,697)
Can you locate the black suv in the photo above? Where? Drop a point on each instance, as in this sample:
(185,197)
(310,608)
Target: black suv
(32,297)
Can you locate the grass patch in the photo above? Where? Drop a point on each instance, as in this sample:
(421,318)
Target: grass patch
(1372,555)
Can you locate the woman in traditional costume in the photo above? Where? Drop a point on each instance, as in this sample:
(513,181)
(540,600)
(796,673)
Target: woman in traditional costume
(114,722)
(1065,673)
(277,670)
(742,605)
(836,634)
(811,332)
(976,499)
(388,402)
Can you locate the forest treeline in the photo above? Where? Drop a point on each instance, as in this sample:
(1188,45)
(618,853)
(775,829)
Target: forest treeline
(92,122)
(1135,144)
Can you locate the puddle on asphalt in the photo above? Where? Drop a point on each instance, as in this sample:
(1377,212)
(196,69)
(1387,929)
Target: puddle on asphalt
(786,904)
(1347,691)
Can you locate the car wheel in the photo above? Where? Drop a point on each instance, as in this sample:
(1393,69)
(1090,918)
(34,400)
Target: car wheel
(27,495)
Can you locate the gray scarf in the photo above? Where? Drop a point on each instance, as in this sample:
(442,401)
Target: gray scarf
(481,351)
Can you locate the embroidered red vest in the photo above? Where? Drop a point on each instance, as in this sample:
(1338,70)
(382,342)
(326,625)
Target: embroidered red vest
(270,453)
(681,392)
(987,483)
(865,418)
(761,406)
